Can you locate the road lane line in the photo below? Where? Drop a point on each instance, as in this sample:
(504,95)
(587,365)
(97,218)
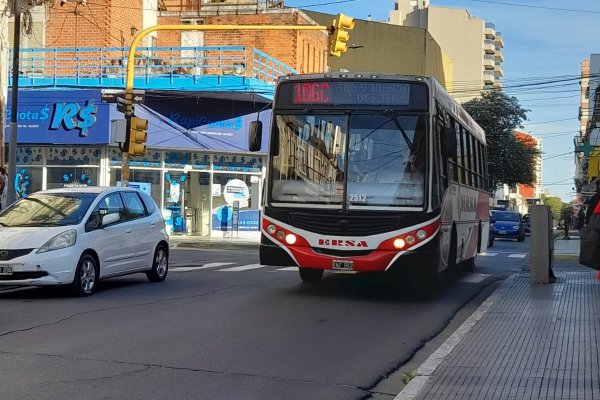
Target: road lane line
(488,254)
(517,255)
(286,269)
(242,268)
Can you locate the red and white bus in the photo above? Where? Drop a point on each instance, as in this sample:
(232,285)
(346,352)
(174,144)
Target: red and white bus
(370,173)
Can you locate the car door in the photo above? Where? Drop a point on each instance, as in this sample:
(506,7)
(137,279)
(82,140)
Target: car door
(113,243)
(142,229)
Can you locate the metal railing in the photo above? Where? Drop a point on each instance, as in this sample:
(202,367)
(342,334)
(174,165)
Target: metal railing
(154,66)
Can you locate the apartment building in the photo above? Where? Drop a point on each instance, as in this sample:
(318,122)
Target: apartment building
(473,45)
(587,162)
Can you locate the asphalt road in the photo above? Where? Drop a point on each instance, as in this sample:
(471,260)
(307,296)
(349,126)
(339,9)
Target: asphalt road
(213,332)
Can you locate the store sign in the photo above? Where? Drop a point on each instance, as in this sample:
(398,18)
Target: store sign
(61,117)
(73,116)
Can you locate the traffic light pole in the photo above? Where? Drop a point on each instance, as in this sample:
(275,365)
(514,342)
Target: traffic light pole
(142,34)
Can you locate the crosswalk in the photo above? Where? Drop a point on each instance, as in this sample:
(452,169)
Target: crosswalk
(238,268)
(509,255)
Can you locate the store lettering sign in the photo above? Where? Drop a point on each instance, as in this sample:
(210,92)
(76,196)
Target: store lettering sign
(73,116)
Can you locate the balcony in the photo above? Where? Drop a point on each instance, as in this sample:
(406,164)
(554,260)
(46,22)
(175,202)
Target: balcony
(499,69)
(499,40)
(489,30)
(489,62)
(220,68)
(488,77)
(499,55)
(489,46)
(498,73)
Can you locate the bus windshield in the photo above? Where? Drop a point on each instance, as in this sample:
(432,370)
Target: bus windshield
(380,158)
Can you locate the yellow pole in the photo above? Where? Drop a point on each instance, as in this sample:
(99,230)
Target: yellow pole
(142,34)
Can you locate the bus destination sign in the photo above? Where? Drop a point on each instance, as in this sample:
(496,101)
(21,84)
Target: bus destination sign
(346,93)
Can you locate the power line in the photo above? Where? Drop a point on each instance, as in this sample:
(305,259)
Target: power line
(538,7)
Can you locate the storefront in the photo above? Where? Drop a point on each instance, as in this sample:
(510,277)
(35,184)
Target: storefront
(203,178)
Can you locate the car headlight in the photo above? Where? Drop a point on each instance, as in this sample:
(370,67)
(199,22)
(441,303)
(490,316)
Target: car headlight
(515,228)
(61,241)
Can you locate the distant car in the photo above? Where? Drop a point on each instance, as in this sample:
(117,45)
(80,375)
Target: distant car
(76,236)
(508,224)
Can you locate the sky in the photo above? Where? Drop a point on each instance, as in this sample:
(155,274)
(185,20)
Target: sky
(544,40)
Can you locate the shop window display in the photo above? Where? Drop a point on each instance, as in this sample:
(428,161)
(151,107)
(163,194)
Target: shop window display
(235,203)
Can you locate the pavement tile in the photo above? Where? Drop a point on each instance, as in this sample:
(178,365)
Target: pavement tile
(534,342)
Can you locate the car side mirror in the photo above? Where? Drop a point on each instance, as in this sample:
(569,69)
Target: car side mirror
(108,219)
(255,136)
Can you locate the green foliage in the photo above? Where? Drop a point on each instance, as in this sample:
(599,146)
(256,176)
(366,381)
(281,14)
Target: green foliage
(556,206)
(510,161)
(408,376)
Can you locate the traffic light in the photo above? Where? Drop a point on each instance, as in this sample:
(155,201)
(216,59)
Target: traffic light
(137,137)
(339,35)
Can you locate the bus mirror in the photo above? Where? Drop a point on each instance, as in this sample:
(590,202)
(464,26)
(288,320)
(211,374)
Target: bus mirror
(255,136)
(450,143)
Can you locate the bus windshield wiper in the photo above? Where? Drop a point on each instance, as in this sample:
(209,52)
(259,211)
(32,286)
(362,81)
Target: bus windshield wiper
(394,118)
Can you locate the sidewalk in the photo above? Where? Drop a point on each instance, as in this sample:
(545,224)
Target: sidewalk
(203,242)
(526,341)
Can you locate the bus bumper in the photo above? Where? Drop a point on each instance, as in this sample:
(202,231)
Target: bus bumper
(375,261)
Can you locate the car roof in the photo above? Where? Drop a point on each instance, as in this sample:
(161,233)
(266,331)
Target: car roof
(86,189)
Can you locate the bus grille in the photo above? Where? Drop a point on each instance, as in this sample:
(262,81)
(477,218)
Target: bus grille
(345,225)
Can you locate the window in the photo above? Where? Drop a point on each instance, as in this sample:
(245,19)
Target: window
(134,205)
(148,202)
(111,204)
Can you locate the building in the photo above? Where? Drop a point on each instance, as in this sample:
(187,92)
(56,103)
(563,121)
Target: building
(199,91)
(385,48)
(587,159)
(473,45)
(532,193)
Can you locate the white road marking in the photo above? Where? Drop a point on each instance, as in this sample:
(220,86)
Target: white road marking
(520,255)
(290,269)
(242,268)
(488,254)
(182,269)
(474,278)
(214,265)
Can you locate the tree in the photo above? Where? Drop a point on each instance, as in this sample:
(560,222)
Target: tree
(556,206)
(510,160)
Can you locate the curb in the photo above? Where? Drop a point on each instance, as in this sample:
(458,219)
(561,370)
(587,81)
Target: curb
(428,368)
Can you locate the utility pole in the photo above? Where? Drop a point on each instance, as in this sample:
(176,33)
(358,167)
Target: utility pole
(11,195)
(4,11)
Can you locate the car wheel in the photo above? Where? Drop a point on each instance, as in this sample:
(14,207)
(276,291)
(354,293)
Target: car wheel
(86,275)
(310,274)
(160,265)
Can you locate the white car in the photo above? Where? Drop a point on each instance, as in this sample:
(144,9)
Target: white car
(76,236)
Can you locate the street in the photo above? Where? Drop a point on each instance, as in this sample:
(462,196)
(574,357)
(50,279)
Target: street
(222,327)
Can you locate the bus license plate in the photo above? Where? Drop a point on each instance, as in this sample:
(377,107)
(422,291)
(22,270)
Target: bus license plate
(6,269)
(343,265)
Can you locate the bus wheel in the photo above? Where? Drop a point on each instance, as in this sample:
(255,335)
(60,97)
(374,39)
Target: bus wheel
(310,274)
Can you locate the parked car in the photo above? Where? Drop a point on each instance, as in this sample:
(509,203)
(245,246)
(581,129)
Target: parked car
(77,236)
(508,224)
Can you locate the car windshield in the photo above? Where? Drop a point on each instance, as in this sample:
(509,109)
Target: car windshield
(56,209)
(512,217)
(381,157)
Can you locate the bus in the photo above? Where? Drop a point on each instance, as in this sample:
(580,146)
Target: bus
(372,172)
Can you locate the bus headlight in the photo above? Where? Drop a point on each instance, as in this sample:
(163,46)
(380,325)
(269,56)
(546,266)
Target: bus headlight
(421,234)
(271,229)
(410,240)
(280,235)
(399,243)
(290,238)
